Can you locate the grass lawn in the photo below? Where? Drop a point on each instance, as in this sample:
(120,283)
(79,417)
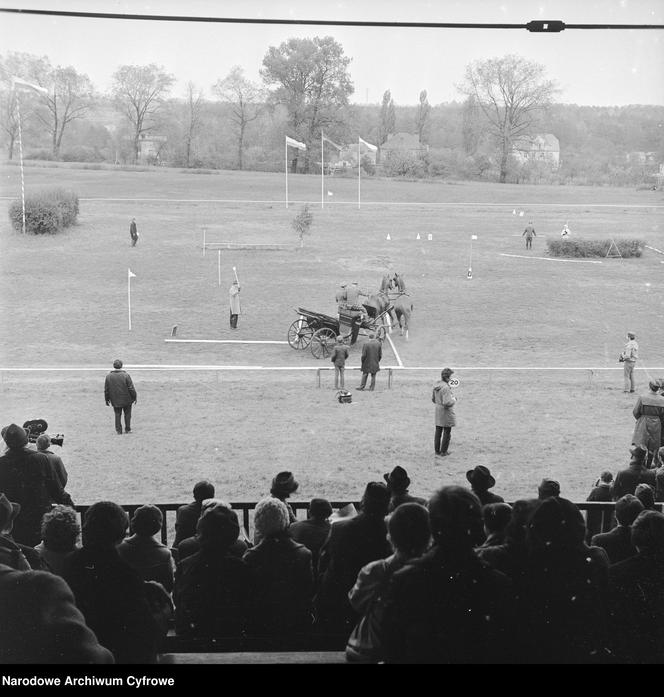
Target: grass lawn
(63,303)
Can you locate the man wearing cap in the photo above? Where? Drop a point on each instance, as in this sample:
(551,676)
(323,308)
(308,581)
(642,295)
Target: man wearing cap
(234,300)
(27,478)
(628,358)
(445,418)
(398,482)
(341,298)
(120,393)
(13,554)
(481,480)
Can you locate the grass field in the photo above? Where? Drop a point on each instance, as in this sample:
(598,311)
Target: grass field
(63,302)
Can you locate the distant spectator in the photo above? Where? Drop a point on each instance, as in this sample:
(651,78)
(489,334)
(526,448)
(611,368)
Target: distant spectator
(496,517)
(646,495)
(213,587)
(60,533)
(187,516)
(43,444)
(313,532)
(282,576)
(481,480)
(409,535)
(601,492)
(563,602)
(120,393)
(448,606)
(548,488)
(352,544)
(39,622)
(617,543)
(338,358)
(649,412)
(637,595)
(110,594)
(26,478)
(628,479)
(397,483)
(283,485)
(150,558)
(13,554)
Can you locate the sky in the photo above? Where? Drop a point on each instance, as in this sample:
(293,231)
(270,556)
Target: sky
(598,67)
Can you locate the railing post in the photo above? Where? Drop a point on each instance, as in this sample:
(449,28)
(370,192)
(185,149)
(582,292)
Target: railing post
(318,377)
(389,378)
(590,377)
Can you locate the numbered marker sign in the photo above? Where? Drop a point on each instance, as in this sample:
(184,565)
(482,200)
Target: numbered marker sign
(453,382)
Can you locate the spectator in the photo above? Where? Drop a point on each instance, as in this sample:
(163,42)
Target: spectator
(43,443)
(397,483)
(637,595)
(338,358)
(283,485)
(547,489)
(481,481)
(313,532)
(283,583)
(617,543)
(496,517)
(120,393)
(444,416)
(110,594)
(627,480)
(186,518)
(150,558)
(659,476)
(60,533)
(26,478)
(648,412)
(563,602)
(352,544)
(372,354)
(448,606)
(408,533)
(212,586)
(646,495)
(12,554)
(600,492)
(192,544)
(39,622)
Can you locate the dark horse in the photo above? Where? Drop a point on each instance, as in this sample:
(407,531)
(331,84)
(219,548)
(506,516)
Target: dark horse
(402,305)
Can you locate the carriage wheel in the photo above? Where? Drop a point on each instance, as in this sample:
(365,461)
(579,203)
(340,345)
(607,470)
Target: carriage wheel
(299,334)
(323,342)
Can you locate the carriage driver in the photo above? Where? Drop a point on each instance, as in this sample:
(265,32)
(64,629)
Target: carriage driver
(353,297)
(340,298)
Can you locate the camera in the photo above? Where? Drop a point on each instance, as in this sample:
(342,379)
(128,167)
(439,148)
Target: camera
(621,359)
(35,427)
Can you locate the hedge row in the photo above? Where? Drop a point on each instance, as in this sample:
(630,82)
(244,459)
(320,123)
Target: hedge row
(46,212)
(628,247)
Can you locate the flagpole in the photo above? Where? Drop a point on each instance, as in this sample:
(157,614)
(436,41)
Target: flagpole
(322,171)
(219,266)
(129,298)
(286,165)
(359,176)
(20,154)
(470,261)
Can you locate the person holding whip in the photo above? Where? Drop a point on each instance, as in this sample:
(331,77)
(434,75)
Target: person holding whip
(234,298)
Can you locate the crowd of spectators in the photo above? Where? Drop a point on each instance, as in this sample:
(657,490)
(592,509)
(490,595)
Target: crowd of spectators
(458,576)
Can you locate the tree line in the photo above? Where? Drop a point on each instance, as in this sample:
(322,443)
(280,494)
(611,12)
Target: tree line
(304,91)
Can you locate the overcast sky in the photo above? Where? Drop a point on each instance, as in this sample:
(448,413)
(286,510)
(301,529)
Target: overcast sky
(597,67)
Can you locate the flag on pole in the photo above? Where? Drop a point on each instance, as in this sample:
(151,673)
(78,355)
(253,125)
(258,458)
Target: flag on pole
(295,143)
(373,148)
(18,82)
(388,236)
(470,273)
(473,237)
(418,236)
(130,274)
(331,142)
(329,193)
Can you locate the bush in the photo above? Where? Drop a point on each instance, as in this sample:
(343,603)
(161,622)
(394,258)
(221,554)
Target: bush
(593,248)
(46,212)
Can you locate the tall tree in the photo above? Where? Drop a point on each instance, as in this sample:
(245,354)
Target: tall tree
(312,81)
(246,99)
(422,118)
(139,92)
(511,93)
(195,104)
(388,119)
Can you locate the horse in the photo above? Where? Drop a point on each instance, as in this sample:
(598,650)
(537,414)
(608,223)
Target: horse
(403,306)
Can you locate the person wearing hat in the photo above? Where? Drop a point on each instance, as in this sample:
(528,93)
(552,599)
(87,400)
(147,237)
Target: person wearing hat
(27,478)
(12,553)
(372,353)
(445,418)
(617,542)
(628,358)
(481,480)
(120,393)
(338,358)
(634,474)
(397,483)
(234,301)
(340,298)
(649,412)
(43,443)
(313,531)
(600,492)
(283,485)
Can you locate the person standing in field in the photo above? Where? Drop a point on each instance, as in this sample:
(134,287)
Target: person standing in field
(338,357)
(372,353)
(234,298)
(529,232)
(648,411)
(133,232)
(445,417)
(120,393)
(628,358)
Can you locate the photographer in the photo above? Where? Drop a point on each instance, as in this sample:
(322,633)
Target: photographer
(628,358)
(58,467)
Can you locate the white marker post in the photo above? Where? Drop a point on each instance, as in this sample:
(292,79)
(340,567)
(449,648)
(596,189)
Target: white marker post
(204,231)
(219,267)
(470,260)
(130,275)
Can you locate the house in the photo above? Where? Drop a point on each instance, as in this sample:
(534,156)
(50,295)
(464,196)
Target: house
(149,148)
(541,147)
(639,157)
(404,142)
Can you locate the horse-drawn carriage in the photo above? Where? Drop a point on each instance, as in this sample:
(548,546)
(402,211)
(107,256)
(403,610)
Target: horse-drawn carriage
(319,331)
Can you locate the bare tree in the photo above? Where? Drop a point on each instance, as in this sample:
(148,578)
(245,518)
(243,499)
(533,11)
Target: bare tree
(422,118)
(511,93)
(139,92)
(247,100)
(195,105)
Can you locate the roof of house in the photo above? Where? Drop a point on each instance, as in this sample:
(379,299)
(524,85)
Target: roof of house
(402,141)
(539,141)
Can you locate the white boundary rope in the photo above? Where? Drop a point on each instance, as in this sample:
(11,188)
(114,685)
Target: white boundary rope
(573,261)
(220,341)
(167,368)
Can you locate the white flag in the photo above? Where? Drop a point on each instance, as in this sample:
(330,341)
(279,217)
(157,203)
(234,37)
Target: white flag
(18,82)
(473,237)
(295,143)
(329,193)
(373,148)
(130,274)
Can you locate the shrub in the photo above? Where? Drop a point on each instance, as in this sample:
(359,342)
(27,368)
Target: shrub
(629,247)
(302,223)
(46,212)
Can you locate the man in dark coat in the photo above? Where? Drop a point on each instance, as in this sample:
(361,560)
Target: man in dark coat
(481,480)
(617,543)
(186,518)
(636,599)
(120,393)
(352,544)
(627,480)
(398,482)
(372,353)
(313,532)
(448,606)
(601,492)
(12,553)
(529,233)
(58,466)
(27,478)
(133,232)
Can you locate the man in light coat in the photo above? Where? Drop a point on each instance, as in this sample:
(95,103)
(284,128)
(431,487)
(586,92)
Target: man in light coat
(119,392)
(648,412)
(372,352)
(234,298)
(445,417)
(629,356)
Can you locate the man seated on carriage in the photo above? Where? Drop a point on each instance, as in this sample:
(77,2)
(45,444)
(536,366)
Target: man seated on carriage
(351,310)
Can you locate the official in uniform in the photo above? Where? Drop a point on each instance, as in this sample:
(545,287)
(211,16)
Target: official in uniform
(628,358)
(234,299)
